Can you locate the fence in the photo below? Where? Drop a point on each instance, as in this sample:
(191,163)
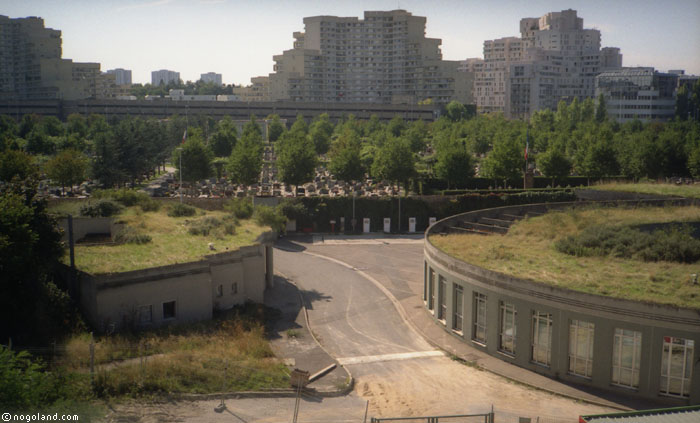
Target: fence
(462,418)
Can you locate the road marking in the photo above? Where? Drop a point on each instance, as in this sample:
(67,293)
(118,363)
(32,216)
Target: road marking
(389,357)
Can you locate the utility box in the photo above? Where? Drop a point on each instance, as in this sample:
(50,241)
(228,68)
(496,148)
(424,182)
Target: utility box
(387,225)
(411,224)
(365,225)
(431,221)
(299,378)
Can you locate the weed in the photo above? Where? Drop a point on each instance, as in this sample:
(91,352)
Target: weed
(181,210)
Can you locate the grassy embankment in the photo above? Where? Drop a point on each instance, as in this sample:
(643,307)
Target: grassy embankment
(528,251)
(689,191)
(171,241)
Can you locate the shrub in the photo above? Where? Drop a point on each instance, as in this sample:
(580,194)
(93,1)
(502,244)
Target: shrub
(149,205)
(102,208)
(180,210)
(129,235)
(204,226)
(242,208)
(24,384)
(674,243)
(268,216)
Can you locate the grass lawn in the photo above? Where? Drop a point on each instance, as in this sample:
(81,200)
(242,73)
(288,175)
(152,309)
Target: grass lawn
(229,353)
(171,242)
(689,191)
(527,251)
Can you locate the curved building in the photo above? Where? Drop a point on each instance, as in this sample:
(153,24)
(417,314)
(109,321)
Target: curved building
(644,350)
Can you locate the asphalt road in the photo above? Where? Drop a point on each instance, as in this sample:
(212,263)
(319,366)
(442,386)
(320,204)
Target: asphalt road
(395,369)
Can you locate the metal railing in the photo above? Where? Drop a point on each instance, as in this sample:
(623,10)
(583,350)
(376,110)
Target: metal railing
(461,418)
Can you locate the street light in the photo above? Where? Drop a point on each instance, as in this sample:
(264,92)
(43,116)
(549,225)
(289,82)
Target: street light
(180,150)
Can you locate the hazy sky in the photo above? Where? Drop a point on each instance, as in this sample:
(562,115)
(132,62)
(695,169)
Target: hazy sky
(238,38)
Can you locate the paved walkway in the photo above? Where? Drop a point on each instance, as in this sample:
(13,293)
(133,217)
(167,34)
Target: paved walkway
(342,248)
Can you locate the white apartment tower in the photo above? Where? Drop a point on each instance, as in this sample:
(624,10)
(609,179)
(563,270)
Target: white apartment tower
(383,58)
(122,76)
(211,77)
(554,59)
(164,77)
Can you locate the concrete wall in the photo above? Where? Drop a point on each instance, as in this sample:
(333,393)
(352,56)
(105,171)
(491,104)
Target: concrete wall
(652,320)
(83,226)
(113,302)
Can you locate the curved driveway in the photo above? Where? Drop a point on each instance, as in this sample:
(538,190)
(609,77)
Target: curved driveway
(395,369)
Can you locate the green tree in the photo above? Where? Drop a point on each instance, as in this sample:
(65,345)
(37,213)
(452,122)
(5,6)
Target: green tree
(320,133)
(600,160)
(346,163)
(252,128)
(275,128)
(296,158)
(417,135)
(69,167)
(196,160)
(455,111)
(77,125)
(395,162)
(601,111)
(455,164)
(224,139)
(694,162)
(396,126)
(506,160)
(553,163)
(300,125)
(245,161)
(14,163)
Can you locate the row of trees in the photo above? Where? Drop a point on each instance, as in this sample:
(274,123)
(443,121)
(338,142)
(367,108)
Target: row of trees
(576,139)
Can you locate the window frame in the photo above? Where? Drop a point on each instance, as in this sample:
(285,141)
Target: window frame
(578,326)
(538,316)
(480,308)
(635,370)
(174,314)
(457,312)
(688,351)
(505,308)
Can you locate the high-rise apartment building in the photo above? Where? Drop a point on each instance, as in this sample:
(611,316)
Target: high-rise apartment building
(258,90)
(638,93)
(164,77)
(211,77)
(555,58)
(122,76)
(31,67)
(383,58)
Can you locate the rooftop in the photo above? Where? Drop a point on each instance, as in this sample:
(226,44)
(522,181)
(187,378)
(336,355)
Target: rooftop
(528,251)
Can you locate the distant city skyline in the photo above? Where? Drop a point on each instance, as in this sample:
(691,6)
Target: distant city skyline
(238,39)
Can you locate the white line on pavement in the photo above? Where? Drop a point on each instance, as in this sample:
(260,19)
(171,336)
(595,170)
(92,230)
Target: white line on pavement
(389,357)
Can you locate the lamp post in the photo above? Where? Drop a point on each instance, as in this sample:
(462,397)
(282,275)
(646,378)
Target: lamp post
(180,150)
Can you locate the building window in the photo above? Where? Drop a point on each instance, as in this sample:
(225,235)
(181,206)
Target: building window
(541,338)
(234,288)
(459,302)
(425,281)
(507,337)
(431,290)
(169,310)
(442,297)
(220,291)
(581,348)
(627,351)
(145,314)
(479,333)
(676,366)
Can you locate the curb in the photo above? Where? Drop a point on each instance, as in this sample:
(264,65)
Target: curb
(420,333)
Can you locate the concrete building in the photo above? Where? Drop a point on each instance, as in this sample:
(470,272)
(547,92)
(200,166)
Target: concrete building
(123,76)
(179,95)
(258,90)
(31,67)
(211,77)
(383,58)
(629,348)
(164,77)
(554,59)
(638,93)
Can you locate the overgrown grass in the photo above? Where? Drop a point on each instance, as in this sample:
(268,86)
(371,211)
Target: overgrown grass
(528,251)
(171,242)
(688,191)
(229,353)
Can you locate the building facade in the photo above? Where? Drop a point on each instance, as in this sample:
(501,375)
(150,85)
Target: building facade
(122,76)
(555,58)
(164,77)
(258,90)
(212,77)
(383,58)
(638,93)
(31,67)
(630,348)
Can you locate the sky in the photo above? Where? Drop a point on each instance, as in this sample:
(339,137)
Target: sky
(238,38)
